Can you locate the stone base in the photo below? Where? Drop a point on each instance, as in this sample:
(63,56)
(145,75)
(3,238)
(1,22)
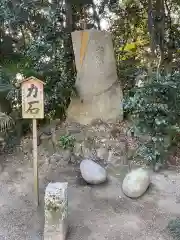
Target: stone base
(56,232)
(107,106)
(56,211)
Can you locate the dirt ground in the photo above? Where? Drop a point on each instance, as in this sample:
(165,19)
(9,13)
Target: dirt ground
(95,213)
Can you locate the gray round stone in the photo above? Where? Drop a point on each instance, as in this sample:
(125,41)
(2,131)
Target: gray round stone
(92,172)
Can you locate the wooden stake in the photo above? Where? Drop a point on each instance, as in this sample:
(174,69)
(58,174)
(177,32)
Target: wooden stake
(35,161)
(32,90)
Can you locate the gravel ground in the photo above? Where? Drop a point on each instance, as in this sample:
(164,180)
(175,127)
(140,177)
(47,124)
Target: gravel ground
(96,213)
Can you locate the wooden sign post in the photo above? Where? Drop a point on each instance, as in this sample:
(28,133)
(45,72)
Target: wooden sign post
(33,108)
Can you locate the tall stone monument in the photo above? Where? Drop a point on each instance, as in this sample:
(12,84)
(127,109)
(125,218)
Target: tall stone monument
(99,93)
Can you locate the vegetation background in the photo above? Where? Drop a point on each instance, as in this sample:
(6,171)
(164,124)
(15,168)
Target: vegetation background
(35,40)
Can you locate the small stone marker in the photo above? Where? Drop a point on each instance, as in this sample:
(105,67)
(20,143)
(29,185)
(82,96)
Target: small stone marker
(56,211)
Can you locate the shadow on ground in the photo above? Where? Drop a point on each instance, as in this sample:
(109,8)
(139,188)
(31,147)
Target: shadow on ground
(95,212)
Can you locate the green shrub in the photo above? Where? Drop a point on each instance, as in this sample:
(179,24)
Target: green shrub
(67,142)
(155,111)
(174,228)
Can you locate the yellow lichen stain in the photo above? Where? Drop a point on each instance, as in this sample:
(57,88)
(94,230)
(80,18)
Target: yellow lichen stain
(84,43)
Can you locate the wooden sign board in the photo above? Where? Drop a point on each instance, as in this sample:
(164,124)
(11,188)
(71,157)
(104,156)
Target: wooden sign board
(32,98)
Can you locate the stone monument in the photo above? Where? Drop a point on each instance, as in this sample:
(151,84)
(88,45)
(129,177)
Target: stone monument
(99,92)
(56,211)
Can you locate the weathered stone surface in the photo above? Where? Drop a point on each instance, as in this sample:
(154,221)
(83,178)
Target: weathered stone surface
(57,157)
(56,211)
(63,156)
(102,153)
(108,107)
(114,159)
(77,149)
(87,148)
(67,155)
(100,95)
(82,151)
(136,183)
(86,152)
(92,172)
(98,70)
(97,144)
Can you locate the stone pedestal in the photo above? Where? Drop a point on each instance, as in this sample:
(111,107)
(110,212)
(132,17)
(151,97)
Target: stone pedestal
(100,95)
(56,211)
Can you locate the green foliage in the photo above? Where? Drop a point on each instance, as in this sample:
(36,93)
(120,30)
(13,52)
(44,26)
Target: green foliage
(6,122)
(6,125)
(155,111)
(35,42)
(130,36)
(80,2)
(174,228)
(67,142)
(39,50)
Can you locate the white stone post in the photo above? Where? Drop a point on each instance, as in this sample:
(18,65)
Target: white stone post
(100,94)
(56,211)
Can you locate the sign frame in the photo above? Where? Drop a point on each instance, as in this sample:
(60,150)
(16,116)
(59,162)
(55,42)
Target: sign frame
(32,91)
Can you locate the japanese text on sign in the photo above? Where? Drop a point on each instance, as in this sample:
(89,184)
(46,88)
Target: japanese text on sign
(32,99)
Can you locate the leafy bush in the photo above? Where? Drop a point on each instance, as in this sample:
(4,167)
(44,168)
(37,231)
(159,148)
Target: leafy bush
(155,111)
(67,141)
(6,122)
(174,228)
(43,49)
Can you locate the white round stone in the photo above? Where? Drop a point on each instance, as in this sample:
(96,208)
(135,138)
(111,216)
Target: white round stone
(136,183)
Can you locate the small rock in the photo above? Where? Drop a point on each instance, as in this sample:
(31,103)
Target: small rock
(136,183)
(114,159)
(158,167)
(92,172)
(86,152)
(56,157)
(73,128)
(102,153)
(74,159)
(77,149)
(67,155)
